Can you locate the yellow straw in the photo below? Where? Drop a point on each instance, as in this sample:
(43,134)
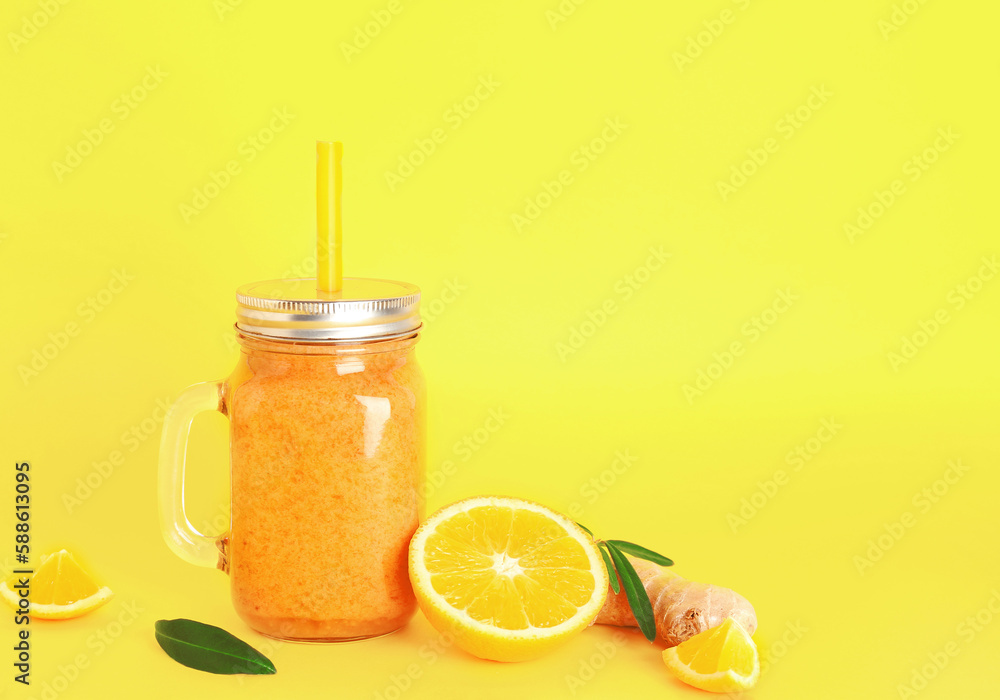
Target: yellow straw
(329,182)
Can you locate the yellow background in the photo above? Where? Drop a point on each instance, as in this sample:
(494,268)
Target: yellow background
(495,343)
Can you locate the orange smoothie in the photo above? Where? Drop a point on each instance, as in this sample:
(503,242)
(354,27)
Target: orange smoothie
(326,468)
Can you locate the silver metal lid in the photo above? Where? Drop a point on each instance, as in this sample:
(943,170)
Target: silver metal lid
(365,309)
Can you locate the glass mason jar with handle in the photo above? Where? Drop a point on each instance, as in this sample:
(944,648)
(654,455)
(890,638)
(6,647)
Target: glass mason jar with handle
(327,419)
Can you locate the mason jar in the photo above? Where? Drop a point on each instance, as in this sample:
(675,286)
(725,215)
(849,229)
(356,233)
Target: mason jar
(326,410)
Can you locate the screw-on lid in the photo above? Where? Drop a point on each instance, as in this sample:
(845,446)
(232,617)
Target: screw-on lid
(365,309)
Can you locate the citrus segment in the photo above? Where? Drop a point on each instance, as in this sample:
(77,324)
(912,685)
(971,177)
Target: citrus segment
(722,659)
(59,589)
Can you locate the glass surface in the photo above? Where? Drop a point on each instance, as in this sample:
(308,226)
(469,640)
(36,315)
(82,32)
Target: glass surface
(326,469)
(327,463)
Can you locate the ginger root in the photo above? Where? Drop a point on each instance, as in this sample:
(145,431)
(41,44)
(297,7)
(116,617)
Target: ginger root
(681,608)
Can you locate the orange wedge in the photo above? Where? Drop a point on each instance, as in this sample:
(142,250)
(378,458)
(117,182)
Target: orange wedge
(722,659)
(58,590)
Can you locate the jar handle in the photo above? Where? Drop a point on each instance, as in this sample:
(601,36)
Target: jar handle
(186,542)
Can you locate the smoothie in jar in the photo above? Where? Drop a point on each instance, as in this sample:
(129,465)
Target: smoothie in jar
(327,462)
(326,472)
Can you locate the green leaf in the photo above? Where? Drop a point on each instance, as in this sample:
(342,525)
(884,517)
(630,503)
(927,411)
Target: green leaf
(585,529)
(207,648)
(638,600)
(641,552)
(612,576)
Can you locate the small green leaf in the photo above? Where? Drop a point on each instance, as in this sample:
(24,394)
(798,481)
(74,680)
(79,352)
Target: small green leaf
(641,552)
(208,648)
(612,576)
(638,600)
(585,529)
